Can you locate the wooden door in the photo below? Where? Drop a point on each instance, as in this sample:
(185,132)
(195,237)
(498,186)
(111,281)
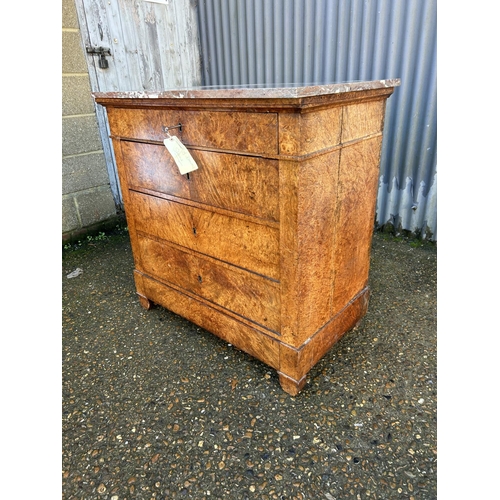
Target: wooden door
(145,45)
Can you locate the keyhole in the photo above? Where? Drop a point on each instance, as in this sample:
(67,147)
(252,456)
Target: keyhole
(194,230)
(200,279)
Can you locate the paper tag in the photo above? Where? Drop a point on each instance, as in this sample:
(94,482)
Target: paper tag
(182,157)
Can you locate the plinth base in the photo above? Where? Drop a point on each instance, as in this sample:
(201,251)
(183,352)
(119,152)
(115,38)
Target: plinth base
(291,363)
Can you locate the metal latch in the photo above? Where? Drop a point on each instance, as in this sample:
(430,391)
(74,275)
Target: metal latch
(101,52)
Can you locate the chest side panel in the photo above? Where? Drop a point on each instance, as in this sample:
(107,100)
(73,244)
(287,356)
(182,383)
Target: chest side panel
(358,178)
(362,119)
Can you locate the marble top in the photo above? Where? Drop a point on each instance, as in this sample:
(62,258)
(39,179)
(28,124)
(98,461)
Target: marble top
(254,91)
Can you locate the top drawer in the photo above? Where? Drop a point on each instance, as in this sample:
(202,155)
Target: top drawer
(233,131)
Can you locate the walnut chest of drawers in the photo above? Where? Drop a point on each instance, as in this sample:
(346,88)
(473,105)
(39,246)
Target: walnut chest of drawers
(267,243)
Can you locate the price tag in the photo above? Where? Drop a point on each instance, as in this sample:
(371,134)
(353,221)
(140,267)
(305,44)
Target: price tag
(182,157)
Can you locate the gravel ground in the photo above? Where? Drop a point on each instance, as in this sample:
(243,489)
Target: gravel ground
(155,407)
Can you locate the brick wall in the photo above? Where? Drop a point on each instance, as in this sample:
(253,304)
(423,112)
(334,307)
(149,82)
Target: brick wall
(87,199)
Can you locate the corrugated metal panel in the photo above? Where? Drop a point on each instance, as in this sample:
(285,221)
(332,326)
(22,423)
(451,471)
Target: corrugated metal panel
(306,41)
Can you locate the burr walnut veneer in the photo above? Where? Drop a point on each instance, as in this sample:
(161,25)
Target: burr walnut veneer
(267,244)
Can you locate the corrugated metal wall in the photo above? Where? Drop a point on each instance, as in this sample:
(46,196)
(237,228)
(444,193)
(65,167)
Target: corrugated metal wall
(306,41)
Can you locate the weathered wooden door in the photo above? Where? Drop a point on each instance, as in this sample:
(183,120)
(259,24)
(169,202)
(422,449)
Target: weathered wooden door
(138,45)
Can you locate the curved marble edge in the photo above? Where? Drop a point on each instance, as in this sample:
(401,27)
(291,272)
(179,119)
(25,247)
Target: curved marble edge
(256,91)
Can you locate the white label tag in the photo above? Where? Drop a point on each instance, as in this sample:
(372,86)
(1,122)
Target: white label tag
(182,157)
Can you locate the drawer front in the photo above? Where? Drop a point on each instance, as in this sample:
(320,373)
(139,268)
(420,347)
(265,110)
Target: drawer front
(234,131)
(245,294)
(241,335)
(242,184)
(236,241)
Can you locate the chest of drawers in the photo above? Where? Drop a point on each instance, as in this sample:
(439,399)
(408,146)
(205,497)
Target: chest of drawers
(267,243)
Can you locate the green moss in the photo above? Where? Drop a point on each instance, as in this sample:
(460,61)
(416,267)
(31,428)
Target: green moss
(96,236)
(413,240)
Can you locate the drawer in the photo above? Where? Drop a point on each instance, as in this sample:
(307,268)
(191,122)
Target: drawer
(240,334)
(233,240)
(245,294)
(235,131)
(243,184)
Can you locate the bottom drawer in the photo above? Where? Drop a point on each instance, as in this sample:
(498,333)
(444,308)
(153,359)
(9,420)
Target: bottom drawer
(241,335)
(239,291)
